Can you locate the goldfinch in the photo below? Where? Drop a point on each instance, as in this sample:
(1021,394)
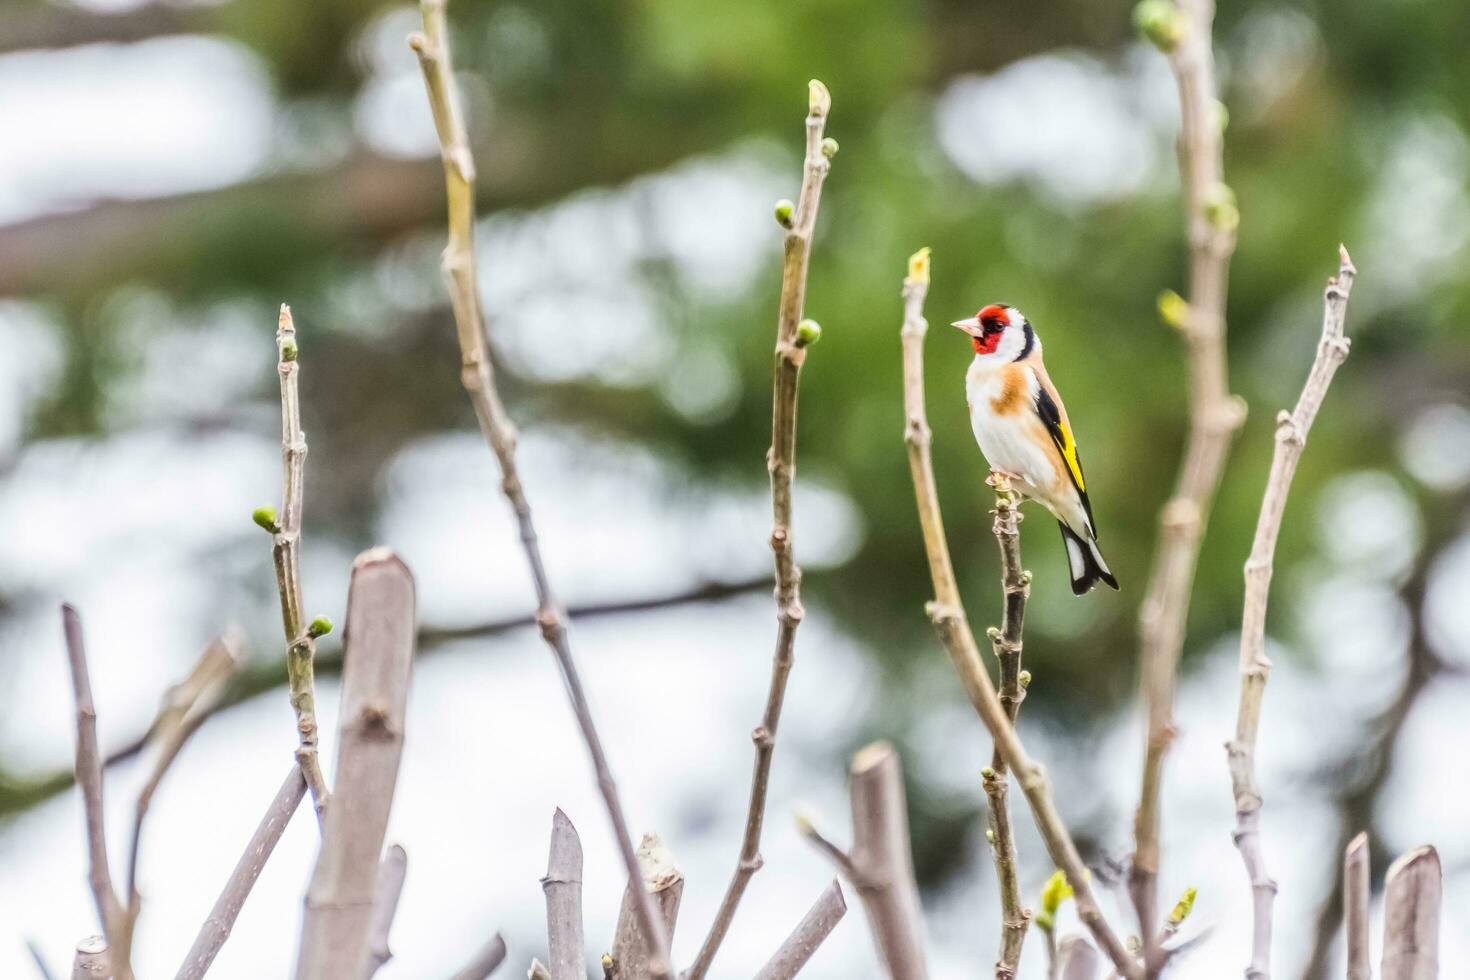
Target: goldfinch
(1022,428)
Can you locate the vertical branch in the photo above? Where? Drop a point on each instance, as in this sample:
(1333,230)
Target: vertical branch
(1355,899)
(216,928)
(477,376)
(91,961)
(286,552)
(791,343)
(1255,669)
(391,874)
(809,933)
(948,616)
(378,661)
(632,955)
(563,888)
(883,861)
(1411,901)
(110,909)
(1077,960)
(1213,417)
(1005,642)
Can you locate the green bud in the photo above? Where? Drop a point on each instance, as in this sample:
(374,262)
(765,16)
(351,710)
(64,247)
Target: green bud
(288,349)
(319,627)
(266,518)
(1220,209)
(987,774)
(784,210)
(1222,116)
(1161,23)
(1045,920)
(1024,679)
(992,633)
(1054,893)
(829,147)
(989,836)
(808,332)
(1173,309)
(1183,907)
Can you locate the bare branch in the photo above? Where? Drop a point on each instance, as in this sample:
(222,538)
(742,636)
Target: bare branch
(563,888)
(92,961)
(216,928)
(1411,901)
(948,616)
(478,378)
(538,971)
(1255,669)
(632,954)
(379,660)
(485,962)
(286,552)
(1355,899)
(391,872)
(885,868)
(1077,960)
(791,346)
(1214,415)
(809,933)
(110,910)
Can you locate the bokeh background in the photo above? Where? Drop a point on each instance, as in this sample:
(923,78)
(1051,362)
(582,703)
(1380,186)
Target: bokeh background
(169,173)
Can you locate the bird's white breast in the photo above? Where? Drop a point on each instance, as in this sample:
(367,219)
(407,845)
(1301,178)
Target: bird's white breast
(1009,441)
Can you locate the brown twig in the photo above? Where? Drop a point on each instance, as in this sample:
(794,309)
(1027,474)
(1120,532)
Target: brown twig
(948,616)
(1255,669)
(286,553)
(809,934)
(110,910)
(477,376)
(392,871)
(485,961)
(632,954)
(791,345)
(216,928)
(563,889)
(92,961)
(1077,960)
(379,661)
(880,865)
(1355,899)
(1411,903)
(1214,415)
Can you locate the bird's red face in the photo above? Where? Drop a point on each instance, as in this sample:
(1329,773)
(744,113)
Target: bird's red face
(987,327)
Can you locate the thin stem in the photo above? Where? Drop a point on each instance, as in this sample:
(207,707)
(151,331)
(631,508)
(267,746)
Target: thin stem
(391,874)
(1413,892)
(286,552)
(477,376)
(562,887)
(947,614)
(487,960)
(810,933)
(1255,669)
(781,462)
(1214,415)
(1355,901)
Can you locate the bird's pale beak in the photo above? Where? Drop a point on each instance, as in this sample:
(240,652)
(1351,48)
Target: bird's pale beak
(970,326)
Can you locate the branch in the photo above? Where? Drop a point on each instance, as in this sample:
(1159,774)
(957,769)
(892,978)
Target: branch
(538,971)
(39,959)
(391,873)
(632,954)
(89,775)
(285,551)
(563,888)
(485,962)
(92,961)
(1255,669)
(1005,642)
(810,933)
(948,616)
(1213,417)
(793,336)
(477,376)
(216,928)
(1355,900)
(1077,960)
(1411,901)
(379,661)
(880,865)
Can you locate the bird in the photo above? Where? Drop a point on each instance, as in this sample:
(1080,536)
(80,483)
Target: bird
(1023,431)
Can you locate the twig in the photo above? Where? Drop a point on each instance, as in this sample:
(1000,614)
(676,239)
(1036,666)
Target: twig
(810,933)
(1077,960)
(1213,417)
(1411,901)
(92,961)
(881,865)
(392,871)
(632,954)
(286,553)
(563,889)
(1255,669)
(485,962)
(948,616)
(39,959)
(791,345)
(216,928)
(1355,899)
(477,376)
(1005,642)
(379,660)
(538,971)
(89,775)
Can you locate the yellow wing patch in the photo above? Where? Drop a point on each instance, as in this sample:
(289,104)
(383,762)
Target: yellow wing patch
(1069,453)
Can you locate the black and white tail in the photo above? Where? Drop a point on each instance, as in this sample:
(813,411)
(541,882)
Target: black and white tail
(1085,561)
